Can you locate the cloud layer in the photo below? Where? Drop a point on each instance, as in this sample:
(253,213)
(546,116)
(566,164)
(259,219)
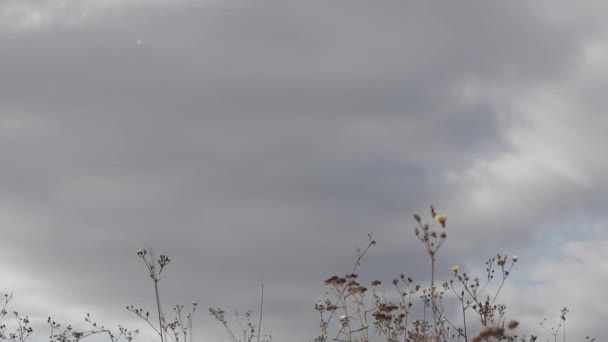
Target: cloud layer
(244,138)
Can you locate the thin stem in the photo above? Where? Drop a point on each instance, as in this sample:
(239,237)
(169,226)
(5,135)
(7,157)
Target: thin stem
(362,317)
(433,308)
(354,271)
(346,317)
(160,320)
(504,277)
(261,308)
(230,332)
(464,318)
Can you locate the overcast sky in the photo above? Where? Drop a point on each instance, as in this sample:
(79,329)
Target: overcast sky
(247,137)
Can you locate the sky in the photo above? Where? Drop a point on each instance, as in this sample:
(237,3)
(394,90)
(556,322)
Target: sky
(249,138)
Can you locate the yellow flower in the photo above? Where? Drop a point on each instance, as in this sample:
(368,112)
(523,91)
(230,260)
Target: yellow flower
(441,219)
(455,268)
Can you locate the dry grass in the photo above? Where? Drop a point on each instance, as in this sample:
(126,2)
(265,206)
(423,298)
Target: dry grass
(405,311)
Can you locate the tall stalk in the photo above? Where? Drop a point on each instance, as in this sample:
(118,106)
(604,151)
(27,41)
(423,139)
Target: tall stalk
(433,306)
(160,319)
(261,308)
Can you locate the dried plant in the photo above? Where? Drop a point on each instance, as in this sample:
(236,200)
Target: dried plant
(181,325)
(561,324)
(68,334)
(351,313)
(382,317)
(250,331)
(23,329)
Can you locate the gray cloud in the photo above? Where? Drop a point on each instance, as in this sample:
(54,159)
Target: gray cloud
(270,137)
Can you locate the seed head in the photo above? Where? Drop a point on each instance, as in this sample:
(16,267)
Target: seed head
(513,325)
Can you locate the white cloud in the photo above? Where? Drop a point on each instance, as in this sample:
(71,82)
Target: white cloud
(572,275)
(553,131)
(39,14)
